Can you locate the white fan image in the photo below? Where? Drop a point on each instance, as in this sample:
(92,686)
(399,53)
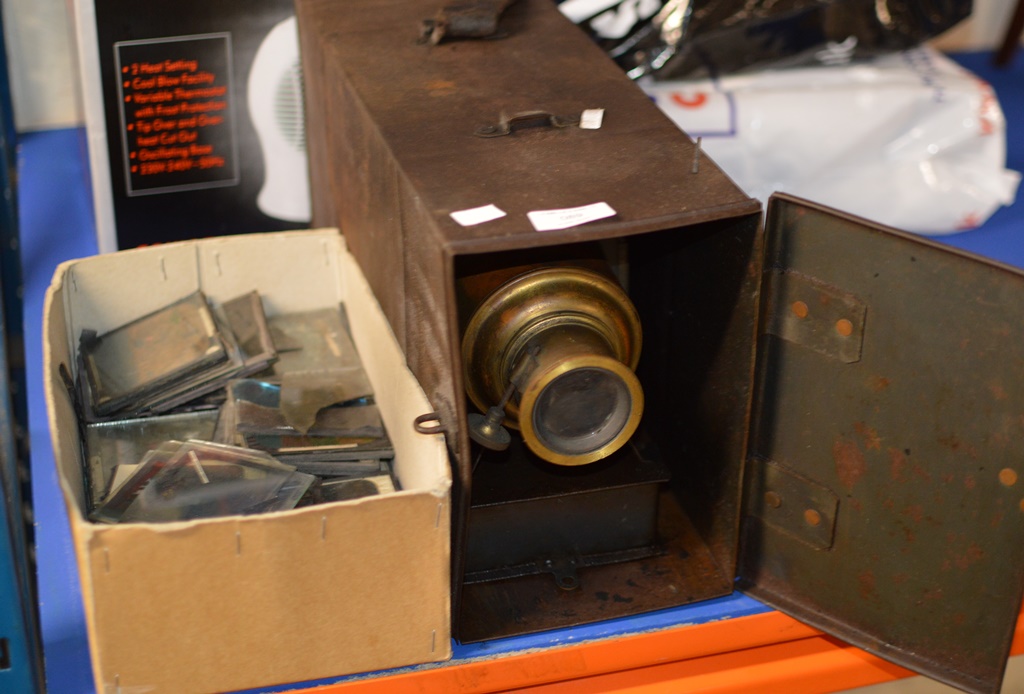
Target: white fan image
(275,106)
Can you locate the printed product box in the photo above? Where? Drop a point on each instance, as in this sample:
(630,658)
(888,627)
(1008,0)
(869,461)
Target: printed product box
(194,118)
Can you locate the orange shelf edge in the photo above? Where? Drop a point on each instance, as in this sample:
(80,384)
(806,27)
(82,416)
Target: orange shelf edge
(764,652)
(805,666)
(815,665)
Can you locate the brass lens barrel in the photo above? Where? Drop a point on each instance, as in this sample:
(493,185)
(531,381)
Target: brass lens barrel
(568,338)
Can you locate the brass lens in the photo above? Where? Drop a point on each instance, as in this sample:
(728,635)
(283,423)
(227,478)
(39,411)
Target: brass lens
(580,411)
(568,339)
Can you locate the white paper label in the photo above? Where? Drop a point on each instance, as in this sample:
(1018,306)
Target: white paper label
(477,215)
(591,118)
(550,220)
(580,10)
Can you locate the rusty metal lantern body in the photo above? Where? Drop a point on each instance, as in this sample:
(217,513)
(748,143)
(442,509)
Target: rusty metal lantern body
(834,403)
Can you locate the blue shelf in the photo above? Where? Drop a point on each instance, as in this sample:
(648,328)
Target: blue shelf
(57,225)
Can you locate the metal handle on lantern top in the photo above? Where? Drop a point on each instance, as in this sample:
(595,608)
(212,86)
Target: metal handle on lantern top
(477,19)
(566,340)
(509,124)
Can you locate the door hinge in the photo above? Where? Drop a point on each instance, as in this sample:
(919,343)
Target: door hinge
(810,313)
(791,503)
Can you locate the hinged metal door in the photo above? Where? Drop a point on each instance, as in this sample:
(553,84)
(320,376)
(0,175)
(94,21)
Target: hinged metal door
(884,491)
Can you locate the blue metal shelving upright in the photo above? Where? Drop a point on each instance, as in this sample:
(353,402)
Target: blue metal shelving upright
(20,652)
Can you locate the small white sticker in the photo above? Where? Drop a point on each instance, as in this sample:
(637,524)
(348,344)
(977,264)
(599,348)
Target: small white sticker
(591,119)
(581,10)
(477,215)
(550,220)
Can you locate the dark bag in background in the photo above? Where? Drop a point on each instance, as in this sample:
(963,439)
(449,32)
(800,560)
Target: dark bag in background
(700,38)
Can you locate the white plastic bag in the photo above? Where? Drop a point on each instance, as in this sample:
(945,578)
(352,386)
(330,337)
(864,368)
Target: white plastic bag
(911,139)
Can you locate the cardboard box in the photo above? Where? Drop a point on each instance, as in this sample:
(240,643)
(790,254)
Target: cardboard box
(247,601)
